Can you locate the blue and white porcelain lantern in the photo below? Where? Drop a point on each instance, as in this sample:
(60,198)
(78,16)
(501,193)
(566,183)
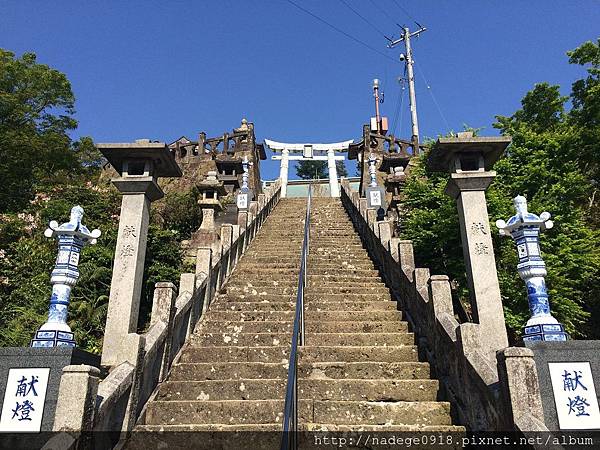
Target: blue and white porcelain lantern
(375,194)
(72,236)
(524,227)
(244,195)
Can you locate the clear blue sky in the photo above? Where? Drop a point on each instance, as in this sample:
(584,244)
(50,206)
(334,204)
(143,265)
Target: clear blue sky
(162,69)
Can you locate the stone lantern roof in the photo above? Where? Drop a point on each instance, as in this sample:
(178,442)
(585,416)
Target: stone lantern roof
(446,150)
(163,162)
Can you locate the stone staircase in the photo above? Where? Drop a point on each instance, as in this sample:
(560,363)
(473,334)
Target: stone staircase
(232,374)
(358,371)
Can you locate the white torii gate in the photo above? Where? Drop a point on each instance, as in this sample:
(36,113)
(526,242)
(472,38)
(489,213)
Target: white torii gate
(307,153)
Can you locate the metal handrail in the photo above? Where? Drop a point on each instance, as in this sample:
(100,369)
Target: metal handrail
(289,438)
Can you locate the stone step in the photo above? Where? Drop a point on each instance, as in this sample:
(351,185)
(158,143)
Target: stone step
(358,430)
(236,436)
(352,283)
(239,316)
(271,411)
(351,306)
(316,266)
(311,296)
(349,259)
(365,316)
(217,370)
(243,389)
(359,339)
(380,413)
(249,297)
(197,354)
(243,288)
(316,370)
(236,339)
(254,306)
(343,277)
(310,389)
(223,411)
(328,289)
(212,326)
(364,370)
(402,353)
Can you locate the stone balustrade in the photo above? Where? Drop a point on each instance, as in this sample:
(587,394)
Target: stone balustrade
(114,404)
(485,392)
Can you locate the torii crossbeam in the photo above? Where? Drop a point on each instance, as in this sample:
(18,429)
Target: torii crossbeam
(307,151)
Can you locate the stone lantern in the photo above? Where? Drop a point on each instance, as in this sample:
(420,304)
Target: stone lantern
(469,160)
(211,190)
(524,227)
(139,165)
(72,236)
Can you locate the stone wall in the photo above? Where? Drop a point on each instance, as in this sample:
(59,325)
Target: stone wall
(115,403)
(480,388)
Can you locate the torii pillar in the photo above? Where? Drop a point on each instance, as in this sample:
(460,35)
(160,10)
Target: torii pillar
(307,154)
(334,188)
(283,171)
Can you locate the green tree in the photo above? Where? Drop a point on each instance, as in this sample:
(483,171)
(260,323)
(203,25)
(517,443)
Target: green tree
(44,175)
(36,114)
(316,170)
(553,161)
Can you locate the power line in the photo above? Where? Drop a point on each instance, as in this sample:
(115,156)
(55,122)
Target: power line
(383,11)
(433,97)
(398,111)
(404,10)
(358,41)
(367,21)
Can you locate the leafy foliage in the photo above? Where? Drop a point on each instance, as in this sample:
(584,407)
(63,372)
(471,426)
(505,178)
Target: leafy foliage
(44,175)
(553,161)
(316,170)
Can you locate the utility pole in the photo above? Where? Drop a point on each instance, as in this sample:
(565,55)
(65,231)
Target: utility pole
(406,35)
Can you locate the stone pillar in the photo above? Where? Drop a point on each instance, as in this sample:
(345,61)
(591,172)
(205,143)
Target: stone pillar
(520,385)
(334,188)
(203,272)
(469,159)
(283,171)
(139,164)
(76,399)
(468,189)
(126,284)
(163,309)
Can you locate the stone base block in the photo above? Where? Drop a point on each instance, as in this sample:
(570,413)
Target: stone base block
(54,358)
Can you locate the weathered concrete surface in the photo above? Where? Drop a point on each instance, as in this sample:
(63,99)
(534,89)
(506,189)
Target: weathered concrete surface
(360,366)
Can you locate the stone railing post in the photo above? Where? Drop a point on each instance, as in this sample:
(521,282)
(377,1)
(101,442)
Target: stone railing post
(242,220)
(76,401)
(163,309)
(407,258)
(469,160)
(135,343)
(226,241)
(252,222)
(140,165)
(520,387)
(203,272)
(187,283)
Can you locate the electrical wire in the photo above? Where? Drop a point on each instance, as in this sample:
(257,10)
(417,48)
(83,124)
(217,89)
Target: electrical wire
(367,21)
(401,114)
(383,11)
(433,97)
(358,41)
(404,10)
